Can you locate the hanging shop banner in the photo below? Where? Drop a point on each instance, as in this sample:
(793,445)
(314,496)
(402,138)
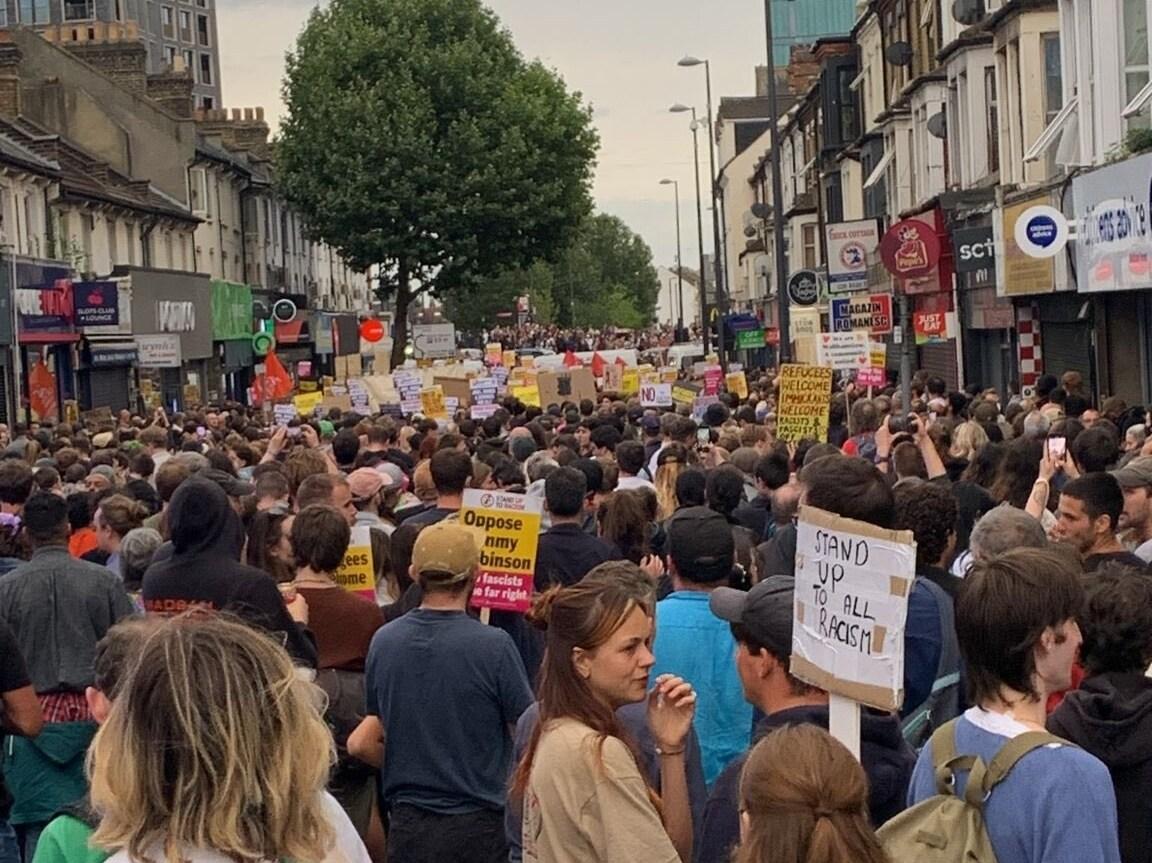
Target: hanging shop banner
(848,246)
(805,399)
(974,248)
(1017,273)
(42,392)
(910,249)
(872,314)
(931,328)
(510,524)
(97,304)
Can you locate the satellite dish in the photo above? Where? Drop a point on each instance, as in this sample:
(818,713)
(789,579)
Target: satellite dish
(968,12)
(938,125)
(898,54)
(749,231)
(761,211)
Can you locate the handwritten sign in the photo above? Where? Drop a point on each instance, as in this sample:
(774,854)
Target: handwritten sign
(871,377)
(737,384)
(511,527)
(357,574)
(283,414)
(844,351)
(712,378)
(805,393)
(630,382)
(852,586)
(529,394)
(656,395)
(432,403)
(306,403)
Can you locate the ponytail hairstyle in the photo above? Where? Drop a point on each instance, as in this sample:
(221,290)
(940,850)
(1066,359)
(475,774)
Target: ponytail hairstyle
(804,799)
(122,514)
(585,615)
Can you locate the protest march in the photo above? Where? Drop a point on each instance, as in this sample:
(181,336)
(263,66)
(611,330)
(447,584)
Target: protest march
(581,606)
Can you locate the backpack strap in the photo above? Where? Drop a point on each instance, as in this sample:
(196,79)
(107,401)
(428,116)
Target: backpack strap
(1013,751)
(945,760)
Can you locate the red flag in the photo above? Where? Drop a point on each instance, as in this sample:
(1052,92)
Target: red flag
(277,381)
(597,365)
(571,360)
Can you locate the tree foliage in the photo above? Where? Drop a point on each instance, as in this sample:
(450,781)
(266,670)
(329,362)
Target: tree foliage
(417,138)
(604,278)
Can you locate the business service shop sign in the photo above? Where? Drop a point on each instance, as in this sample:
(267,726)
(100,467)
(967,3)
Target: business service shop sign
(1113,221)
(849,245)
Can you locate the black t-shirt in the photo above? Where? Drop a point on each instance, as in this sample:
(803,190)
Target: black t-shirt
(13,675)
(1094,561)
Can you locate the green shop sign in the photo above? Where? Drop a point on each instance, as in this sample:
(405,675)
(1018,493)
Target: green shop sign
(750,339)
(231,311)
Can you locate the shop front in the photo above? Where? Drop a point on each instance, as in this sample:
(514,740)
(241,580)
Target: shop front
(986,321)
(108,355)
(1113,252)
(230,373)
(47,338)
(346,346)
(172,315)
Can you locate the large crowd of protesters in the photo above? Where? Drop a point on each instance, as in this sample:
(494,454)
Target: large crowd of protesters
(184,678)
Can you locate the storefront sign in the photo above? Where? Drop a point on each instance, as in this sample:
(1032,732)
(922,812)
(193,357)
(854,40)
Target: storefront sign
(910,249)
(97,304)
(1041,232)
(1114,226)
(872,314)
(930,327)
(45,309)
(848,246)
(510,525)
(175,316)
(804,322)
(803,288)
(114,354)
(159,352)
(974,248)
(1019,274)
(749,339)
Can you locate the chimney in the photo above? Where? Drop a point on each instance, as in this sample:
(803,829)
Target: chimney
(10,58)
(242,129)
(803,69)
(172,91)
(113,49)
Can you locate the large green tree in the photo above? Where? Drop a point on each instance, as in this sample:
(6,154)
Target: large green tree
(418,139)
(604,277)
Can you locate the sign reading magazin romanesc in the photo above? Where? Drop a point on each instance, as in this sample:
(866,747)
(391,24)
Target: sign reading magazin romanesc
(511,527)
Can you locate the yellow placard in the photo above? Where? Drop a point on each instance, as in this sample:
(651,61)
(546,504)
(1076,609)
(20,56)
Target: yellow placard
(805,397)
(510,524)
(529,394)
(528,361)
(432,402)
(669,375)
(357,574)
(630,382)
(494,354)
(737,384)
(306,403)
(509,359)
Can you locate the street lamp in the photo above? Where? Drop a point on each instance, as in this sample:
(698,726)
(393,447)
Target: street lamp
(784,353)
(679,262)
(680,109)
(718,260)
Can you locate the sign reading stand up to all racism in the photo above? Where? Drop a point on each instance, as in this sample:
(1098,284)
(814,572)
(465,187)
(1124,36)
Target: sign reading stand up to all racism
(852,585)
(511,527)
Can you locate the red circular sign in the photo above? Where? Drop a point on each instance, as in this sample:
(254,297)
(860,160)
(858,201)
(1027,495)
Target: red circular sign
(371,330)
(910,249)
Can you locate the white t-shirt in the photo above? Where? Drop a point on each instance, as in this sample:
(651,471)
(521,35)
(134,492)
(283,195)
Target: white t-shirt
(628,483)
(347,847)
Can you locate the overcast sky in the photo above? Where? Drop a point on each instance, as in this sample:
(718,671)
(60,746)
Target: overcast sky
(621,54)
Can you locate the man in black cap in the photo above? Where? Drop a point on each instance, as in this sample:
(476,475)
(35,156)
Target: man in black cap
(761,624)
(692,643)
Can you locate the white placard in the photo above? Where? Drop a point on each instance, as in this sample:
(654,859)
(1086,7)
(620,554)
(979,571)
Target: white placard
(843,351)
(656,395)
(283,414)
(482,412)
(852,586)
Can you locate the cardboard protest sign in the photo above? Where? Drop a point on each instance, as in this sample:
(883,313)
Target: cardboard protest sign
(572,385)
(455,388)
(852,585)
(613,377)
(357,574)
(432,403)
(511,527)
(805,394)
(656,395)
(529,394)
(712,378)
(494,354)
(482,412)
(685,392)
(306,403)
(283,414)
(630,382)
(844,351)
(509,359)
(737,384)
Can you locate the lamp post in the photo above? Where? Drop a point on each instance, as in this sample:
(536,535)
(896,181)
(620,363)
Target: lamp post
(675,184)
(718,260)
(680,109)
(784,353)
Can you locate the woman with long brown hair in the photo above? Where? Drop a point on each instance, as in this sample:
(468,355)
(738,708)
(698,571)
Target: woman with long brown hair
(804,799)
(585,797)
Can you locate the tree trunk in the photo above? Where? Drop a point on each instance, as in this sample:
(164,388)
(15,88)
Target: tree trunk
(403,301)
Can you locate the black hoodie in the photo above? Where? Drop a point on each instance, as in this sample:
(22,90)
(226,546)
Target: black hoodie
(1110,716)
(887,760)
(204,571)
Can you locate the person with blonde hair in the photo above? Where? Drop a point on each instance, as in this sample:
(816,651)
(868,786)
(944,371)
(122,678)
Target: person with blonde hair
(585,797)
(244,759)
(804,799)
(967,440)
(671,462)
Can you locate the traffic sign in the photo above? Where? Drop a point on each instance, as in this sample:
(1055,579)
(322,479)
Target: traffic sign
(433,341)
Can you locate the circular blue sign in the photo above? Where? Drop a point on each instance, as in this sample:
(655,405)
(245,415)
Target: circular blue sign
(1042,230)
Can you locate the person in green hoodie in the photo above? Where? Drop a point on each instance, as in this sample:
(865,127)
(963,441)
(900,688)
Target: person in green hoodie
(65,839)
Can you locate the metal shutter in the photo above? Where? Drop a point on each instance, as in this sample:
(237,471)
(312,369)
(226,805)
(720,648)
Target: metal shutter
(1066,346)
(106,388)
(940,361)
